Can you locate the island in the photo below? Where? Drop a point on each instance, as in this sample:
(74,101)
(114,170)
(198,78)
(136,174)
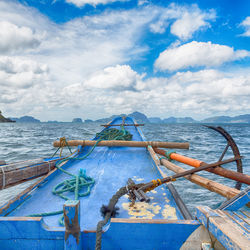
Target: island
(3,119)
(77,120)
(25,118)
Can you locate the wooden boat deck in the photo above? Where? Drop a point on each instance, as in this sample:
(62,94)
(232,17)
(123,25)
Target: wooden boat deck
(231,228)
(110,167)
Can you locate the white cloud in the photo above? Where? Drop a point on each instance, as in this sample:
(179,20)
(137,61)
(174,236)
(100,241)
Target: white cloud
(246,25)
(119,77)
(196,54)
(81,69)
(80,3)
(21,83)
(14,38)
(191,22)
(19,72)
(198,94)
(185,20)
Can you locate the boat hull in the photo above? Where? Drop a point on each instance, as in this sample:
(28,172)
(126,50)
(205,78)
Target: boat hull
(160,224)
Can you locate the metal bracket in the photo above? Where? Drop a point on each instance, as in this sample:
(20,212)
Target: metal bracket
(232,144)
(139,194)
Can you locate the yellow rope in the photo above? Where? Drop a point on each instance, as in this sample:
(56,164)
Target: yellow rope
(62,144)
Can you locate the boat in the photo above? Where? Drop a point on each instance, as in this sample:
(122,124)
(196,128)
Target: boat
(121,198)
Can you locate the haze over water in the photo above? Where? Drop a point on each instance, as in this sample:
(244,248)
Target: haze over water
(24,141)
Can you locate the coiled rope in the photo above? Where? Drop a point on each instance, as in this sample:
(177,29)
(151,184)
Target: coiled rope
(81,181)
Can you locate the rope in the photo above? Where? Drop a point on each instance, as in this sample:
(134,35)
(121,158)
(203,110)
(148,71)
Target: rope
(115,134)
(80,181)
(111,208)
(168,153)
(74,185)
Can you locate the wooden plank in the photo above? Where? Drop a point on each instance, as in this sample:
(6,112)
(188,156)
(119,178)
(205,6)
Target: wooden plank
(118,143)
(16,176)
(21,164)
(13,203)
(238,201)
(109,125)
(2,163)
(203,182)
(229,233)
(154,156)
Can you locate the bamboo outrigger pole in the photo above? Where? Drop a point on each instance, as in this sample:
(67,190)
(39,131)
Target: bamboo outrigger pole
(118,143)
(243,178)
(213,186)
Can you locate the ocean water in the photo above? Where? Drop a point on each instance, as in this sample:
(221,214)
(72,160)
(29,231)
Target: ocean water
(22,141)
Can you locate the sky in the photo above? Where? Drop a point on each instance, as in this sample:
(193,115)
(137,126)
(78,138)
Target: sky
(61,59)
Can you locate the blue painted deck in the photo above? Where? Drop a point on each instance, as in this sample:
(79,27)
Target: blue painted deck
(110,167)
(230,224)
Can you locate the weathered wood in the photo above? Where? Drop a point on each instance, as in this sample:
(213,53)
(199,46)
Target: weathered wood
(2,163)
(71,212)
(117,143)
(232,235)
(24,193)
(203,182)
(16,176)
(243,178)
(21,164)
(154,156)
(117,125)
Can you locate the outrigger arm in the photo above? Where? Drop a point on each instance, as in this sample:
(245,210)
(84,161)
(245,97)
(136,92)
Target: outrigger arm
(230,143)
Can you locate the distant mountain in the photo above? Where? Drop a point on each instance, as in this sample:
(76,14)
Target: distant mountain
(186,120)
(3,119)
(139,117)
(142,118)
(241,119)
(170,120)
(103,120)
(228,119)
(155,120)
(88,120)
(77,120)
(179,120)
(26,119)
(52,121)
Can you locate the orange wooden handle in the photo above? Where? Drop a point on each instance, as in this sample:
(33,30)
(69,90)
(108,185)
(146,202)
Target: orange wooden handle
(186,160)
(180,158)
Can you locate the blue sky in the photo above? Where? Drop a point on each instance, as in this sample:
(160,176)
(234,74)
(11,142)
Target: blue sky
(61,59)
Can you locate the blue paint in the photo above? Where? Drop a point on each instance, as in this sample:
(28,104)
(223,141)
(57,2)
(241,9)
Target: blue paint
(143,236)
(204,214)
(239,201)
(110,167)
(72,220)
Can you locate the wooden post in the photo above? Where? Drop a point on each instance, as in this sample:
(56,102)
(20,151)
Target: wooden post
(118,143)
(71,212)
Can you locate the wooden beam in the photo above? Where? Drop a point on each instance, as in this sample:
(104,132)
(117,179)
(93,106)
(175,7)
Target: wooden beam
(19,175)
(203,182)
(243,178)
(71,212)
(109,125)
(24,194)
(21,164)
(117,143)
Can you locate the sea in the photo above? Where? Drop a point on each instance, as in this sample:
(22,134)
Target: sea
(24,141)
